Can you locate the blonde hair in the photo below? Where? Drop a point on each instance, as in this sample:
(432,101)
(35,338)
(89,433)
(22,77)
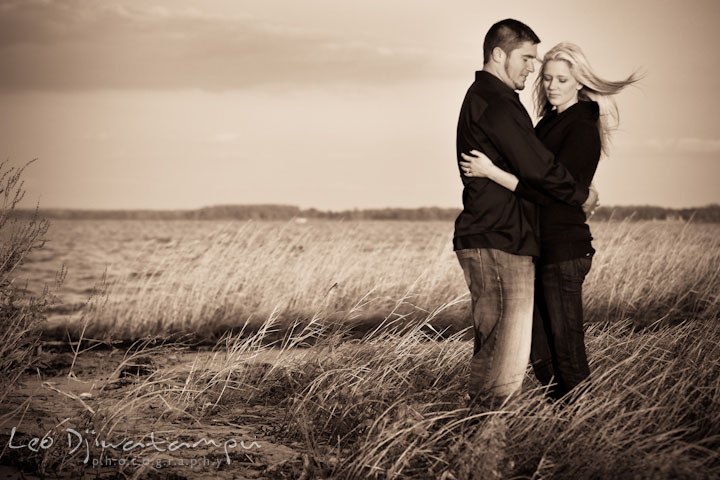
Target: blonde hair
(593,88)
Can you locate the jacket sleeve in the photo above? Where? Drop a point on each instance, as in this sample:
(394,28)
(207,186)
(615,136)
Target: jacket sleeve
(579,154)
(505,125)
(580,151)
(529,193)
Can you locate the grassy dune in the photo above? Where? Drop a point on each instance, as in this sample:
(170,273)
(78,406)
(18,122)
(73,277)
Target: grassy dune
(392,403)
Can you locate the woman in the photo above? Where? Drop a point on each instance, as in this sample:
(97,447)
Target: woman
(578,113)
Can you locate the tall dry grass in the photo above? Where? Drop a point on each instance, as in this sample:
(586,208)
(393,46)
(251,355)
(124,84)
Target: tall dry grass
(20,313)
(654,271)
(392,403)
(246,272)
(250,271)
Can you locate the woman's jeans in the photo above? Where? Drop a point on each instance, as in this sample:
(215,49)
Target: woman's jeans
(501,288)
(558,348)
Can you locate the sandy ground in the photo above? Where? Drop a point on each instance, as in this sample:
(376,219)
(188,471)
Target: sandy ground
(48,428)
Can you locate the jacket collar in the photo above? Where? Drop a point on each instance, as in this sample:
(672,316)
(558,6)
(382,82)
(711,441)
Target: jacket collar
(491,80)
(583,109)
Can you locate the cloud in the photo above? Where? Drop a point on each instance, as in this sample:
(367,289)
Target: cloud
(75,44)
(684,145)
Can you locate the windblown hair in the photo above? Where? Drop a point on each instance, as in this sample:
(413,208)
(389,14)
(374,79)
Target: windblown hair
(507,34)
(593,88)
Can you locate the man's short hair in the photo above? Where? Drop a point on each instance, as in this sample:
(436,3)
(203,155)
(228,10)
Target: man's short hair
(507,34)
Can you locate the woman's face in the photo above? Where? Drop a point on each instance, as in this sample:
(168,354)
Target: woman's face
(561,88)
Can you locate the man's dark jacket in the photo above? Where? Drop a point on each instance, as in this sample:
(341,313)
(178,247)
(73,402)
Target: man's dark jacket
(493,121)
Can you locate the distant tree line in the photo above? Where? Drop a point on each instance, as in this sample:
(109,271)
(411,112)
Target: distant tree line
(218,212)
(421,213)
(708,214)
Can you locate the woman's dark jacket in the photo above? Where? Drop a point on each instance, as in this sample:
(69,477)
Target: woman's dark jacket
(573,137)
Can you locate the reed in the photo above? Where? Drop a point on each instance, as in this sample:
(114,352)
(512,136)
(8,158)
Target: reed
(208,278)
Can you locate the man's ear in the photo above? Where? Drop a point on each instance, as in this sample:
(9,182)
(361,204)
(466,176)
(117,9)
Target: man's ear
(498,54)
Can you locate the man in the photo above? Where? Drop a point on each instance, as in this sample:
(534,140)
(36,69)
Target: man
(496,233)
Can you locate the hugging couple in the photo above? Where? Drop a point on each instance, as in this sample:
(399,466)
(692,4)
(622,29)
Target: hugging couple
(522,237)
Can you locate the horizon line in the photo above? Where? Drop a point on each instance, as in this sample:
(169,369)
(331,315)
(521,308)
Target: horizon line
(285,205)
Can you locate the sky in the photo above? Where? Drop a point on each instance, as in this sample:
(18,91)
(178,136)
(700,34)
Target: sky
(331,104)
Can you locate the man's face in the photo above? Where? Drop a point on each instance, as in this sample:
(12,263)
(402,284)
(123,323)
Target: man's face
(519,64)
